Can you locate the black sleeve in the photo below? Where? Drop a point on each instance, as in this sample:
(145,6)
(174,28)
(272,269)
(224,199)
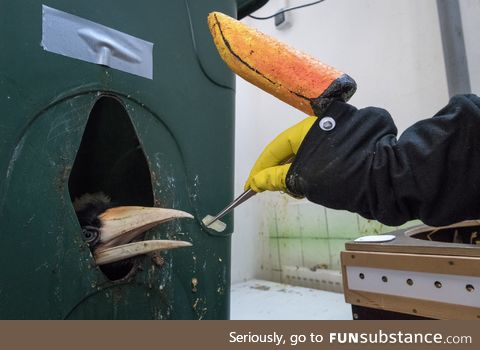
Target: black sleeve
(431,173)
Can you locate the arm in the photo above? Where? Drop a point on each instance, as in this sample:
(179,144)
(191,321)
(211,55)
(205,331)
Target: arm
(431,173)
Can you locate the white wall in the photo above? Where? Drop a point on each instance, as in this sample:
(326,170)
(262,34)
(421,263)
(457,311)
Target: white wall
(391,48)
(470,10)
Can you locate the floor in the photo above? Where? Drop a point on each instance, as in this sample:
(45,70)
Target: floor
(265,300)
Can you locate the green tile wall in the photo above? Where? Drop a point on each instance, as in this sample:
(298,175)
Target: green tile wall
(303,234)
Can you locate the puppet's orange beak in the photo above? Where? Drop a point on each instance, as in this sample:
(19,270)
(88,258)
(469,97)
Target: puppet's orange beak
(294,77)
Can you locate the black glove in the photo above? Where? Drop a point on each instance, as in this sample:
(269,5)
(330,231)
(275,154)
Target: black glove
(431,173)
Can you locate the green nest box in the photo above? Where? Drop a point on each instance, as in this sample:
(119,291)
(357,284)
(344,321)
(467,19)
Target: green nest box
(129,99)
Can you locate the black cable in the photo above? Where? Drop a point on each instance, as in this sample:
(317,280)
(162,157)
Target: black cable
(287,10)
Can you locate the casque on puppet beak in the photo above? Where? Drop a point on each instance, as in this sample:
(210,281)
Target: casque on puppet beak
(110,231)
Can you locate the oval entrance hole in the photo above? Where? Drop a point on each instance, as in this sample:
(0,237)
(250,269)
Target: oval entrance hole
(110,162)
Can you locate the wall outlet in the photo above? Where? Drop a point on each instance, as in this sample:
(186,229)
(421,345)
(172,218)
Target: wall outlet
(280,18)
(283,20)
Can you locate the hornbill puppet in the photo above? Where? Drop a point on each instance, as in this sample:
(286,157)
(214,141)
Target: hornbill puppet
(348,158)
(113,232)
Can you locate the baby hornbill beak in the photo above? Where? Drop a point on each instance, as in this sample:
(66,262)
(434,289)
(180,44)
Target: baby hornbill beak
(110,231)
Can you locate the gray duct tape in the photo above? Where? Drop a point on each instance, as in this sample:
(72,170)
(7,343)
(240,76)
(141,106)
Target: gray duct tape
(76,37)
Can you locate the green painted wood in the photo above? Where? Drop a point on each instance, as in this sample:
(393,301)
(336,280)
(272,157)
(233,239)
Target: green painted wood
(183,121)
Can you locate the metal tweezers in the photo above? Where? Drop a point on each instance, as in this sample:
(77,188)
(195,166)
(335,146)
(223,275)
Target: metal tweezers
(239,200)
